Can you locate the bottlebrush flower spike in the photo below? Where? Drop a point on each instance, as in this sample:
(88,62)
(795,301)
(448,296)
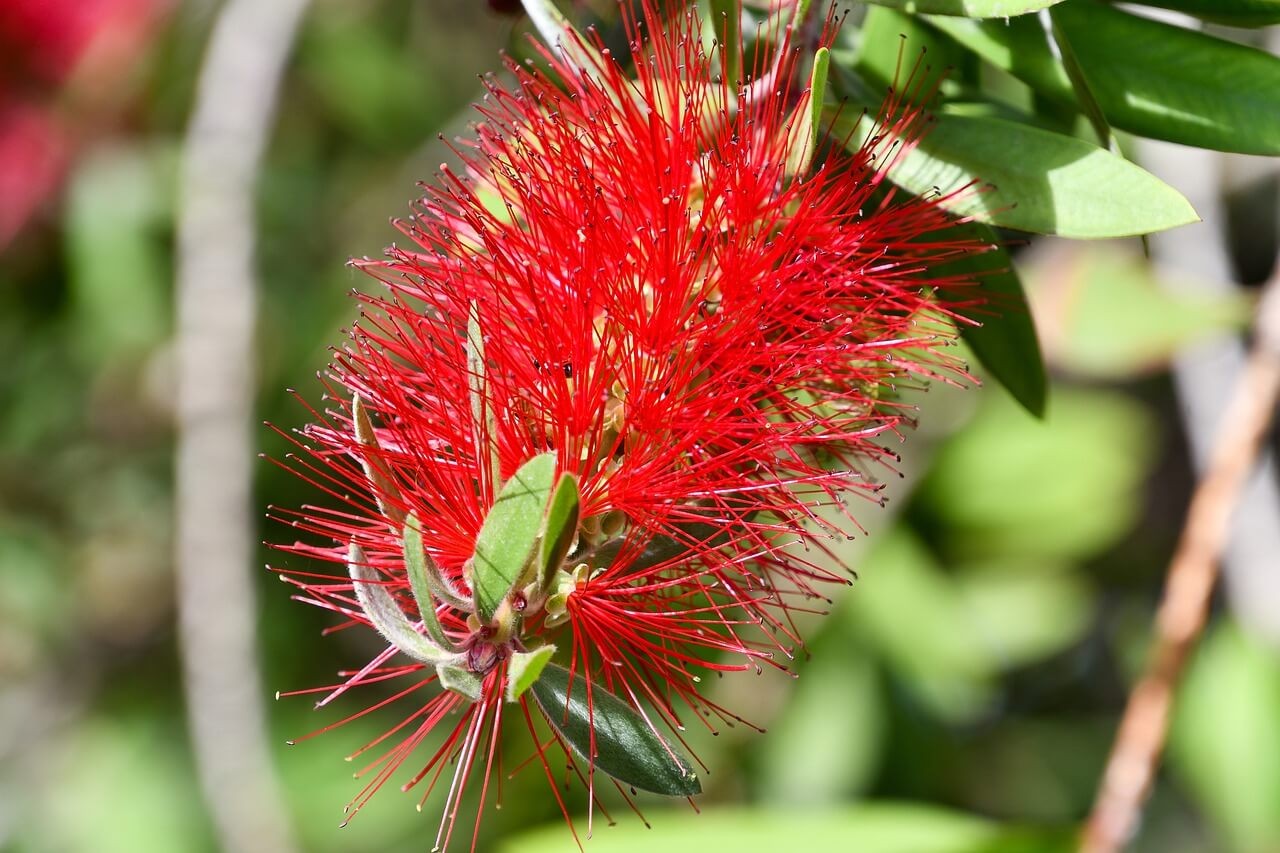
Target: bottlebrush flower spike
(625,356)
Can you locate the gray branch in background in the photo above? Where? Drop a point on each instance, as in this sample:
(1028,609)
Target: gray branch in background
(1195,259)
(233,113)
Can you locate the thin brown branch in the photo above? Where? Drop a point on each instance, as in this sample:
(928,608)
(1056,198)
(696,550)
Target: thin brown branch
(233,113)
(1192,572)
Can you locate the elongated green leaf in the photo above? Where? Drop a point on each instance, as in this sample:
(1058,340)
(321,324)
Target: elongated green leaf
(1087,101)
(1006,341)
(385,613)
(1042,182)
(559,530)
(888,48)
(810,130)
(611,735)
(524,668)
(509,533)
(1235,13)
(968,8)
(1149,78)
(420,568)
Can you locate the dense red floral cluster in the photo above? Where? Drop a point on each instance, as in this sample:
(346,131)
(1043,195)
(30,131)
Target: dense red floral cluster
(708,334)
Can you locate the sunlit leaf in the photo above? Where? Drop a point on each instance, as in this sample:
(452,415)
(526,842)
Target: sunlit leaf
(524,668)
(1114,319)
(507,538)
(869,828)
(1012,485)
(968,8)
(1039,181)
(1225,741)
(1149,77)
(559,529)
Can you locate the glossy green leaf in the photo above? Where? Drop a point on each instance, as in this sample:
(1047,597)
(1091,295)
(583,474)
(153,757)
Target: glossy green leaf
(1006,341)
(1054,185)
(524,668)
(968,8)
(1086,100)
(509,533)
(1235,13)
(609,734)
(559,530)
(421,569)
(385,614)
(1149,78)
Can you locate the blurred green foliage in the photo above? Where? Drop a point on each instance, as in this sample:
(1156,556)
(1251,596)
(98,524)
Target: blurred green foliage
(971,677)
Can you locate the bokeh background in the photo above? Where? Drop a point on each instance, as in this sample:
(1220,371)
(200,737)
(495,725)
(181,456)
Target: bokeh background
(961,696)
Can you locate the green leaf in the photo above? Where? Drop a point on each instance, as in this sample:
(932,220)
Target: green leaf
(524,668)
(1086,100)
(1225,743)
(838,693)
(1010,485)
(455,679)
(385,614)
(510,531)
(889,43)
(1149,78)
(968,8)
(421,569)
(115,255)
(874,827)
(1054,185)
(806,133)
(609,734)
(1234,13)
(1006,342)
(559,530)
(1115,319)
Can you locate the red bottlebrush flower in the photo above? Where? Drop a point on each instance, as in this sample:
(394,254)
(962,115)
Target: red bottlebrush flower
(626,354)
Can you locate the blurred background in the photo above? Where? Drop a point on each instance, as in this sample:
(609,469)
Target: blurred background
(962,696)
